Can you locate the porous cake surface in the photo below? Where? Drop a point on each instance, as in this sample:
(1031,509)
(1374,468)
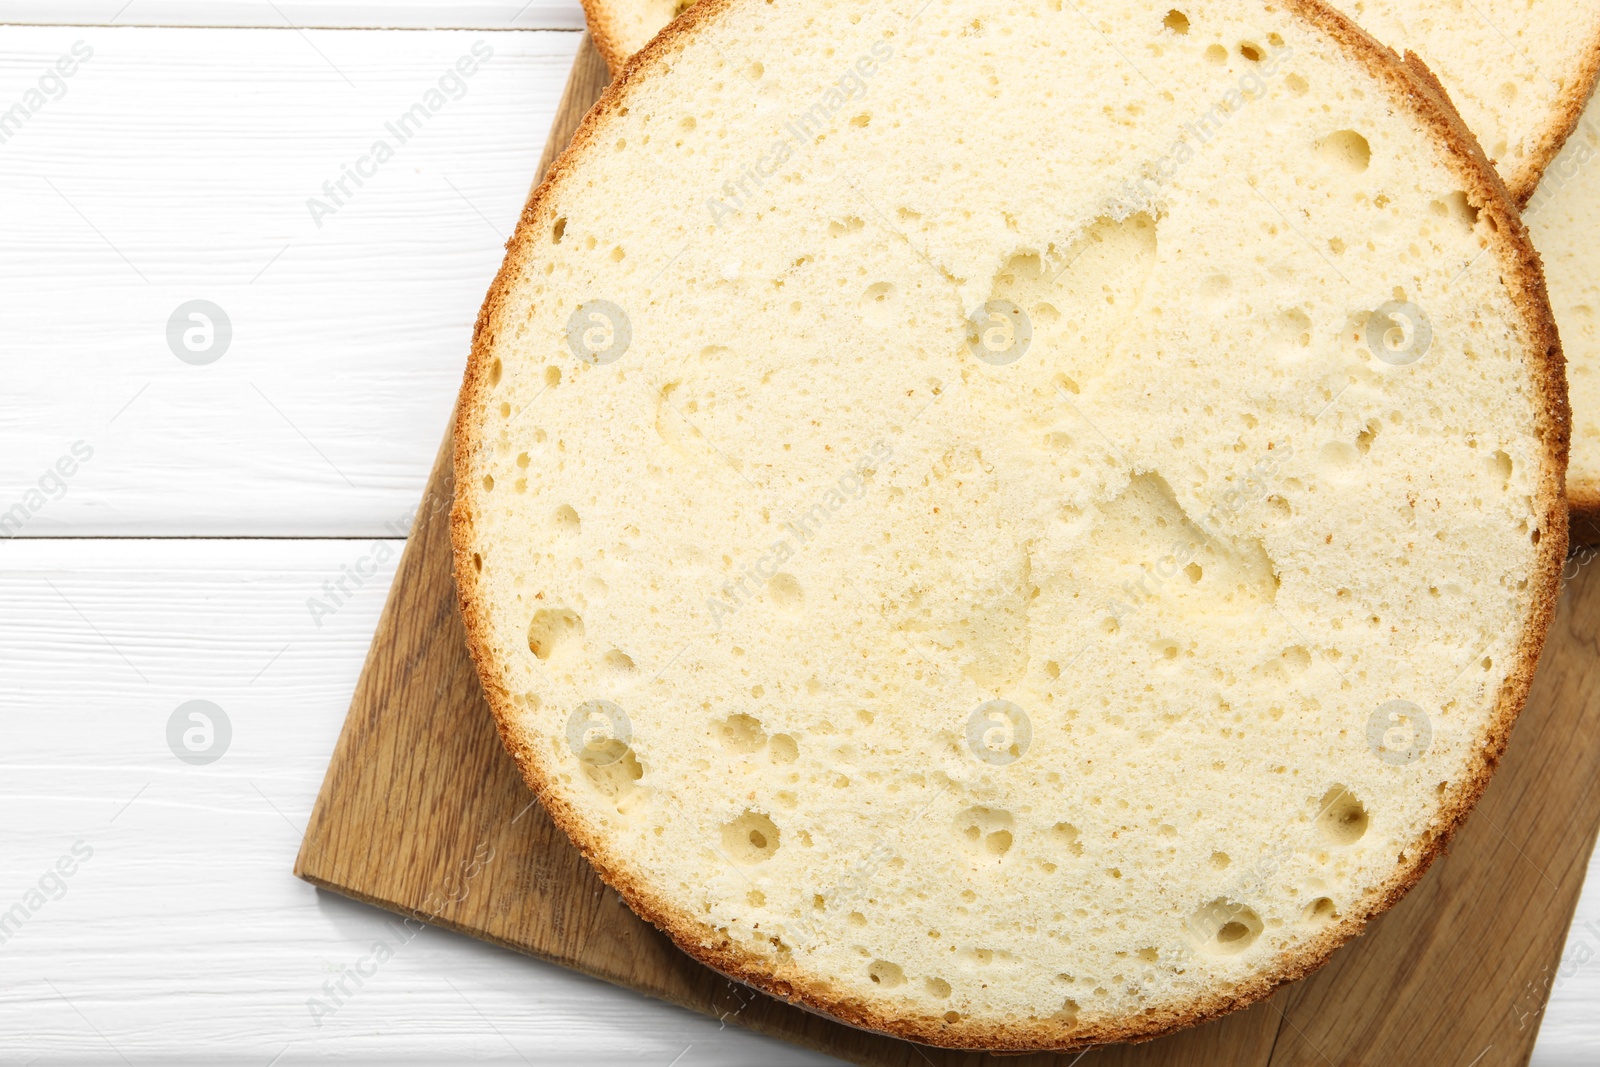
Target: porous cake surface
(1564,218)
(622,27)
(1013,527)
(1517,70)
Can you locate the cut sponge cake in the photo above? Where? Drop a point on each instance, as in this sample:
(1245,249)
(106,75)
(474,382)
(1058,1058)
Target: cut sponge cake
(1564,218)
(621,27)
(1517,70)
(1010,526)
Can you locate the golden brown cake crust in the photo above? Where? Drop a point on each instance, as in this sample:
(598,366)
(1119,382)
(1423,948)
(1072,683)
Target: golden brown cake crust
(1560,123)
(607,33)
(1583,501)
(1413,87)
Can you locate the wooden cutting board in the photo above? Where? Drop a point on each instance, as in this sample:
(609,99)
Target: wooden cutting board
(422,812)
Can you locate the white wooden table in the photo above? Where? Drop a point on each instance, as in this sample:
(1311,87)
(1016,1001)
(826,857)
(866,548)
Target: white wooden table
(175,563)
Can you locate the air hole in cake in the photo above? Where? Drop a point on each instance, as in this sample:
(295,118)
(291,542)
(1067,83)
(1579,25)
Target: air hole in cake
(741,733)
(554,633)
(878,305)
(1215,286)
(552,377)
(613,770)
(566,519)
(889,975)
(1176,21)
(937,987)
(1338,460)
(984,833)
(1217,54)
(1298,85)
(861,120)
(1224,927)
(1069,1011)
(751,838)
(1499,465)
(1065,835)
(618,662)
(1320,910)
(1341,817)
(1347,150)
(488,483)
(1294,328)
(494,373)
(783,749)
(1194,572)
(785,591)
(1220,860)
(1462,209)
(557,231)
(1063,296)
(1251,51)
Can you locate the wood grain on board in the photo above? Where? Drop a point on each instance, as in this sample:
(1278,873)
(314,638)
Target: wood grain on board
(423,813)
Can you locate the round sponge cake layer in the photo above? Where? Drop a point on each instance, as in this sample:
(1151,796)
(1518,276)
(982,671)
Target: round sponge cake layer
(1012,527)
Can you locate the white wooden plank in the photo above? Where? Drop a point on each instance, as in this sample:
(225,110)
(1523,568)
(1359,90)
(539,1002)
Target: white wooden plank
(179,165)
(1569,1032)
(184,933)
(368,14)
